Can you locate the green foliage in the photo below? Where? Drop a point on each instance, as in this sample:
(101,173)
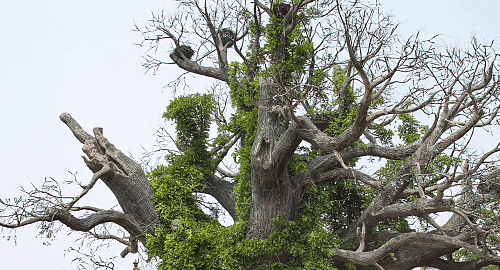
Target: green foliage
(243,188)
(466,256)
(331,205)
(240,87)
(350,266)
(192,117)
(174,185)
(287,54)
(297,164)
(410,129)
(384,135)
(206,245)
(398,224)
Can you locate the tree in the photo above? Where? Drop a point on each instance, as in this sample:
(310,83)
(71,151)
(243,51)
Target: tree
(319,90)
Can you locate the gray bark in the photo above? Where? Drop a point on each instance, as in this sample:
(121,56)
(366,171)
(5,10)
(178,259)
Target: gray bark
(273,192)
(125,179)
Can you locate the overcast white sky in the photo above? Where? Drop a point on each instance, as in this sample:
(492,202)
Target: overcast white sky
(79,57)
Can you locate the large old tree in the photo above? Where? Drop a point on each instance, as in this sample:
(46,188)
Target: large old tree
(322,135)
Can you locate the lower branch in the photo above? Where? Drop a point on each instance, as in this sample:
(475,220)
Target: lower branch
(110,236)
(407,239)
(88,223)
(470,265)
(223,192)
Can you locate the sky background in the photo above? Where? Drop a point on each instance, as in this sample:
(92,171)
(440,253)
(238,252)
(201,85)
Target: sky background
(79,57)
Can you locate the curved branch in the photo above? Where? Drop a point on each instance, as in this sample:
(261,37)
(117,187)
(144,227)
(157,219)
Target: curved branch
(349,174)
(322,164)
(132,248)
(84,224)
(219,46)
(219,156)
(88,223)
(262,6)
(110,236)
(406,239)
(223,192)
(321,140)
(396,111)
(444,143)
(95,177)
(225,173)
(192,66)
(470,265)
(25,222)
(418,207)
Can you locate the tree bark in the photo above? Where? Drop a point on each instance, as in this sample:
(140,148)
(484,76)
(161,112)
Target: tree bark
(125,178)
(273,192)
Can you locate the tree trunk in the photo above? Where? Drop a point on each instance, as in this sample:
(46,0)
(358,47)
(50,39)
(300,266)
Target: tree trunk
(273,192)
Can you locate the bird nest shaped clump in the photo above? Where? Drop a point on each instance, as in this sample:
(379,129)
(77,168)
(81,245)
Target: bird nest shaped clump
(227,36)
(186,50)
(490,185)
(322,121)
(280,10)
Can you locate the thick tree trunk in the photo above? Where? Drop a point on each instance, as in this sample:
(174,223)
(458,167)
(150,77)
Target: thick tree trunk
(273,192)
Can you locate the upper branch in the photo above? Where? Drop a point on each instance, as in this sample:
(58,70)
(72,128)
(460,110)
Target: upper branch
(80,134)
(192,66)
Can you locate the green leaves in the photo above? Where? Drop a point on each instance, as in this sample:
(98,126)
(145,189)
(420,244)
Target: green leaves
(290,53)
(192,117)
(383,134)
(240,87)
(410,129)
(174,186)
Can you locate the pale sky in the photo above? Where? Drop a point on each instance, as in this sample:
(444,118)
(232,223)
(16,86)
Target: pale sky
(79,57)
